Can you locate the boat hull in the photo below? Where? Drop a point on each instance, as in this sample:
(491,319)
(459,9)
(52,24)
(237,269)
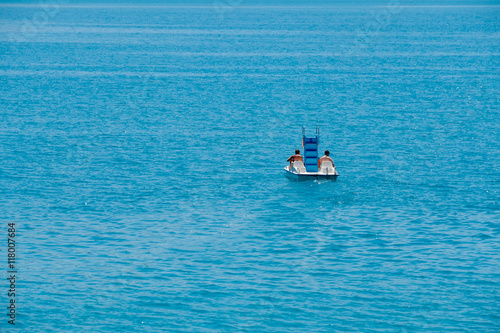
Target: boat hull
(307,176)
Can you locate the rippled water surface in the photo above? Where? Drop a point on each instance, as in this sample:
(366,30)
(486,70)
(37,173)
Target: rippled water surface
(141,156)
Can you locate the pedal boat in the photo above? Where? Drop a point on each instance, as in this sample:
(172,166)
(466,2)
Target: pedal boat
(297,171)
(308,169)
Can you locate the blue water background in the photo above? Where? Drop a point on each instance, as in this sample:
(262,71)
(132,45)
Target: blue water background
(141,157)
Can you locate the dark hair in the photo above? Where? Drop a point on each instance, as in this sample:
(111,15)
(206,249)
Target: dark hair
(327,153)
(297,151)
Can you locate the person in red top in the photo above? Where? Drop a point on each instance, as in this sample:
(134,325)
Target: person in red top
(295,157)
(325,158)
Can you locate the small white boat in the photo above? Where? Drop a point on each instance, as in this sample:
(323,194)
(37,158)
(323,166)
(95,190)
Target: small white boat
(308,169)
(298,171)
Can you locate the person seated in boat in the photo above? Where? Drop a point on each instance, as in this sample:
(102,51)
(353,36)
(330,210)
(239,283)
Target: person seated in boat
(325,158)
(295,157)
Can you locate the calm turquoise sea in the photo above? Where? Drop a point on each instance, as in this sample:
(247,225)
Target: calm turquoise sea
(142,153)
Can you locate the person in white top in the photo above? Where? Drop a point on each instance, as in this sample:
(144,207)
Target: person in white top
(325,158)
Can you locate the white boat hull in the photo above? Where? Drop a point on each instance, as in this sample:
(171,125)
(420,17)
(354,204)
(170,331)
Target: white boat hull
(293,174)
